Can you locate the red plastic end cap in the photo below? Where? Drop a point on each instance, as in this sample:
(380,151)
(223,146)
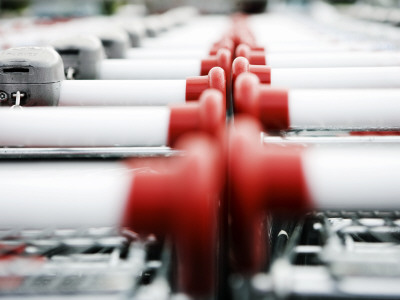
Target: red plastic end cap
(241,65)
(198,84)
(258,48)
(212,111)
(195,221)
(268,105)
(263,178)
(249,41)
(222,59)
(262,72)
(148,208)
(217,80)
(257,58)
(273,108)
(208,115)
(254,57)
(243,50)
(246,208)
(226,43)
(195,86)
(380,133)
(178,197)
(246,94)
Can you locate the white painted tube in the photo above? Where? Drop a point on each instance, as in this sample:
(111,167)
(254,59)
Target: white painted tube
(344,109)
(279,27)
(169,53)
(280,33)
(333,59)
(340,139)
(378,77)
(353,177)
(281,40)
(86,127)
(119,69)
(201,32)
(110,126)
(43,194)
(122,92)
(333,109)
(183,44)
(181,41)
(296,47)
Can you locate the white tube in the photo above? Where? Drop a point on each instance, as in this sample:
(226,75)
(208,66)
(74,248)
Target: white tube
(332,59)
(63,194)
(338,139)
(169,46)
(168,42)
(113,69)
(170,53)
(344,109)
(201,32)
(85,127)
(279,27)
(353,177)
(122,92)
(295,47)
(379,77)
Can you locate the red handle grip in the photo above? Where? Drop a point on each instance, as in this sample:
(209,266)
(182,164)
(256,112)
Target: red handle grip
(262,179)
(255,57)
(268,105)
(215,79)
(207,115)
(178,197)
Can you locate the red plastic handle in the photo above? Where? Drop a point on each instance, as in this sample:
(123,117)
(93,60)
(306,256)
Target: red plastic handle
(207,115)
(226,43)
(255,57)
(263,179)
(222,59)
(178,197)
(241,65)
(196,85)
(268,105)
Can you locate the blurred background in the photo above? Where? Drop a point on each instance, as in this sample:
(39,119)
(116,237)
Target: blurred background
(62,8)
(387,11)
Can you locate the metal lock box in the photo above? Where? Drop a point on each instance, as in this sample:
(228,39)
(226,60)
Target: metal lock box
(115,42)
(81,54)
(35,72)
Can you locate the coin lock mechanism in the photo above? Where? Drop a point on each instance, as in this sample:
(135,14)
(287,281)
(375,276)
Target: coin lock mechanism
(115,42)
(81,55)
(30,76)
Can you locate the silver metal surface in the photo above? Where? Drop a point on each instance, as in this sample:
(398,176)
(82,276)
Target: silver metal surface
(95,152)
(335,255)
(332,139)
